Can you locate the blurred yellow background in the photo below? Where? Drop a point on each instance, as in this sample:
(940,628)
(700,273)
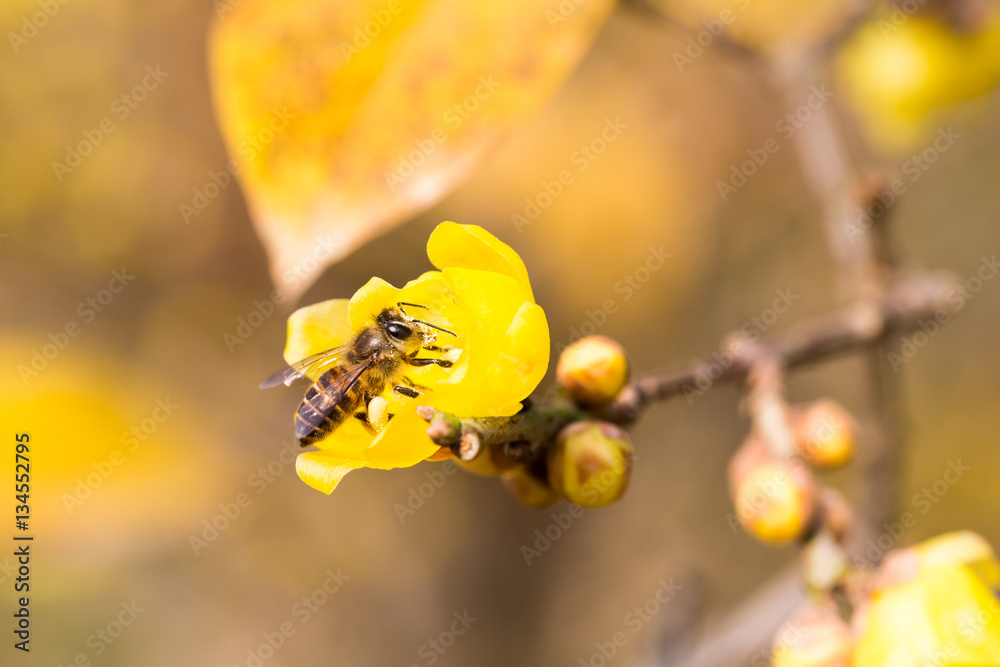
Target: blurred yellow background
(147,426)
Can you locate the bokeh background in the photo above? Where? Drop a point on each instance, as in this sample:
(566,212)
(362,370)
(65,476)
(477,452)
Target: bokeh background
(162,339)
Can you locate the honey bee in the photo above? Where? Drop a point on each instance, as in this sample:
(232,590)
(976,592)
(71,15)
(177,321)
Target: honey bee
(359,371)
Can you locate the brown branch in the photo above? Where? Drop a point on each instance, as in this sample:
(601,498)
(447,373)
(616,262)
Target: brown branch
(525,435)
(908,301)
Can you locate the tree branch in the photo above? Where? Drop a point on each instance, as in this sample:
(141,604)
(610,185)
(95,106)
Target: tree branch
(525,435)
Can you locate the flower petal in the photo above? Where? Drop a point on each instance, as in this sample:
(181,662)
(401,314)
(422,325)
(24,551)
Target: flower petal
(316,328)
(324,470)
(490,302)
(472,247)
(402,443)
(523,358)
(369,301)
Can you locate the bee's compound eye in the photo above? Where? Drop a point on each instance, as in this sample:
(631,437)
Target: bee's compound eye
(398,331)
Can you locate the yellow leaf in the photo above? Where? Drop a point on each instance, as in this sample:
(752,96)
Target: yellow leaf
(345,118)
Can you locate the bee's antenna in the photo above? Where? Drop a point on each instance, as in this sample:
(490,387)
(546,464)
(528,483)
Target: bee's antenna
(433,326)
(417,305)
(400,304)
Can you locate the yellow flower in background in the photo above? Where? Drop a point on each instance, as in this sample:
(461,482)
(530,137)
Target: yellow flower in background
(933,606)
(479,317)
(902,76)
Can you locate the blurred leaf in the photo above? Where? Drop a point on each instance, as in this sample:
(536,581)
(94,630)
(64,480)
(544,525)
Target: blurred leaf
(346,118)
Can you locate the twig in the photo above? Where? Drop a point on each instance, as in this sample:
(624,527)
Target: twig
(908,301)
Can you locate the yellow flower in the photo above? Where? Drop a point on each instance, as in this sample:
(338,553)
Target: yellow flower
(499,353)
(903,77)
(933,606)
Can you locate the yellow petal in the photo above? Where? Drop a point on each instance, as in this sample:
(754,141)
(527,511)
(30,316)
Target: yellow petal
(402,443)
(961,548)
(491,302)
(945,610)
(472,247)
(370,300)
(523,358)
(316,328)
(324,470)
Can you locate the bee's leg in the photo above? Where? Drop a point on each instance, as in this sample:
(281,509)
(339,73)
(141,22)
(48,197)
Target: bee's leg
(443,363)
(438,348)
(410,383)
(409,392)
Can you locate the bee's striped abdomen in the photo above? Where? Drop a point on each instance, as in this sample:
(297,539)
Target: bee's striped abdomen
(335,396)
(323,409)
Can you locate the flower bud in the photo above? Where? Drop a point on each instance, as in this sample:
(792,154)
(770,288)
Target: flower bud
(751,455)
(815,637)
(528,487)
(776,502)
(590,463)
(593,370)
(490,462)
(824,434)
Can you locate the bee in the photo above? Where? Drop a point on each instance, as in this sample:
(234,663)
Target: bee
(359,371)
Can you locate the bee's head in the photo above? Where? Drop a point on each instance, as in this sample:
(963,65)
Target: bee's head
(403,333)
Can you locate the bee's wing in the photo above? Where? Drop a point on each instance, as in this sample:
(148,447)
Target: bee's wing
(314,412)
(301,370)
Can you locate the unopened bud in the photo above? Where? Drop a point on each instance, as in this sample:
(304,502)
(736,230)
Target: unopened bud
(776,502)
(529,487)
(751,455)
(590,463)
(593,370)
(490,462)
(815,637)
(824,434)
